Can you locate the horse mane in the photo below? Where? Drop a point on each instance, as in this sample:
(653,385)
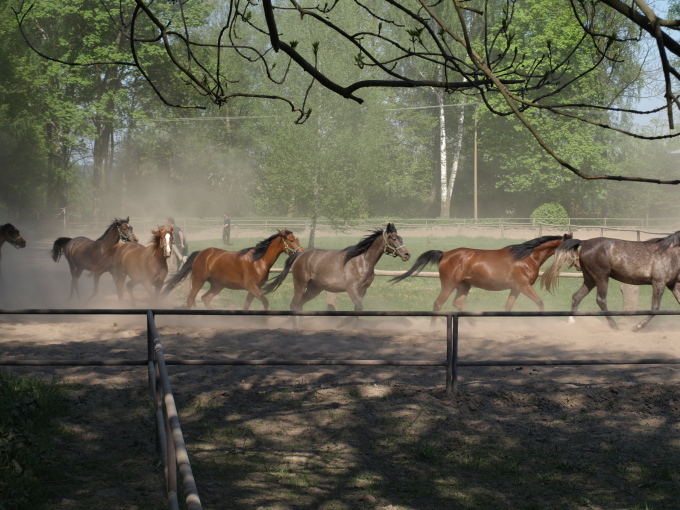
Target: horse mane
(6,226)
(519,251)
(115,224)
(362,246)
(664,243)
(261,248)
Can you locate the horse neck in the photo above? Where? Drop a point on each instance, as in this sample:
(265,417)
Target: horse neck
(373,254)
(111,238)
(544,251)
(155,250)
(274,250)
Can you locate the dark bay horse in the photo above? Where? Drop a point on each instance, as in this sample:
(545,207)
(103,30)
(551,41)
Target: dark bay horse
(655,262)
(350,270)
(246,269)
(514,267)
(83,253)
(9,233)
(146,265)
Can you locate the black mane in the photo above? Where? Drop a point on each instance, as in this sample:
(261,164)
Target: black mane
(362,246)
(519,251)
(261,247)
(6,226)
(664,243)
(115,224)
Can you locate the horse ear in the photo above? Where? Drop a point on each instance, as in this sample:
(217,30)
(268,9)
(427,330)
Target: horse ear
(391,228)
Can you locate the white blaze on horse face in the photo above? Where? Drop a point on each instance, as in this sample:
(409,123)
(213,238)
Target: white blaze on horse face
(167,249)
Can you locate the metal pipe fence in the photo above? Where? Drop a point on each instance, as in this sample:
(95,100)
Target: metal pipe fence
(169,439)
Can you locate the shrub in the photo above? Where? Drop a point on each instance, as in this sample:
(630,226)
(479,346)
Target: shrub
(551,213)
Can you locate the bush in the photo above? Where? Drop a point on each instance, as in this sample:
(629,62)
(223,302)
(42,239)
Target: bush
(551,213)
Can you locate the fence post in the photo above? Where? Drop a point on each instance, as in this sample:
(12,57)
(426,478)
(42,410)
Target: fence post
(451,355)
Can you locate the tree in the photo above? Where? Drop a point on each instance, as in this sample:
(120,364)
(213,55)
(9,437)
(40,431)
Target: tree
(396,40)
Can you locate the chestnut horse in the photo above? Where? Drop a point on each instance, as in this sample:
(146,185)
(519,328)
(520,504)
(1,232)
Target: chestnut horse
(655,262)
(147,265)
(514,267)
(9,233)
(246,269)
(350,270)
(83,253)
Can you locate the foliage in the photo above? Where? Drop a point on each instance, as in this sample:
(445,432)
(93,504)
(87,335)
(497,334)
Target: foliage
(551,213)
(27,426)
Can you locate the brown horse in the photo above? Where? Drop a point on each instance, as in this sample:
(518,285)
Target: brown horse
(10,234)
(83,253)
(246,269)
(514,267)
(146,265)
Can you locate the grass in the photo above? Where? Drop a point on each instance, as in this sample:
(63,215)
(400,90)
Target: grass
(29,410)
(418,294)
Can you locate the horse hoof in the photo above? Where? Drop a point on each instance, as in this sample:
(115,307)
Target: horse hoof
(571,320)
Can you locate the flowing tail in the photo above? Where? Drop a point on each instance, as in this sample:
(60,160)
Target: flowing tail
(275,283)
(427,258)
(566,254)
(58,248)
(180,275)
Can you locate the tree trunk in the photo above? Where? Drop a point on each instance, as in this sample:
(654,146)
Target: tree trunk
(444,205)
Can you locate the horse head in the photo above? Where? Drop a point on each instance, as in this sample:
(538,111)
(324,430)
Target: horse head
(164,235)
(290,242)
(125,231)
(13,236)
(394,244)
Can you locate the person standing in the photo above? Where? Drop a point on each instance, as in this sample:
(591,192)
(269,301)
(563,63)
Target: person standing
(179,238)
(226,230)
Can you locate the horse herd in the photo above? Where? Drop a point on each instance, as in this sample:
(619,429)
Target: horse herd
(654,262)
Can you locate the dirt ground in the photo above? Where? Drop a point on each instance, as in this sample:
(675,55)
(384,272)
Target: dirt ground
(360,437)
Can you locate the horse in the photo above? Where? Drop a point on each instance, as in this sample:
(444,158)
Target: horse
(655,262)
(83,253)
(147,265)
(246,269)
(9,233)
(514,267)
(350,270)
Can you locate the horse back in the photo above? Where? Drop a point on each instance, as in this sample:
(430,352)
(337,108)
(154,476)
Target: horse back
(632,262)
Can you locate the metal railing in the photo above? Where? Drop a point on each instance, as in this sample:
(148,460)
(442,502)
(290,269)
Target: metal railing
(169,438)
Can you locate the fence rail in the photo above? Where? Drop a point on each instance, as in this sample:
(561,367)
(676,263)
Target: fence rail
(170,441)
(243,226)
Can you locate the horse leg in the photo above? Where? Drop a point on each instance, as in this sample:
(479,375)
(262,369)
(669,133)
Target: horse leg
(196,285)
(130,285)
(657,292)
(529,292)
(75,274)
(300,297)
(601,300)
(577,297)
(96,286)
(448,287)
(462,291)
(213,291)
(120,283)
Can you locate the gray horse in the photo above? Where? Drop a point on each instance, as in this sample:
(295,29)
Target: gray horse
(350,270)
(655,262)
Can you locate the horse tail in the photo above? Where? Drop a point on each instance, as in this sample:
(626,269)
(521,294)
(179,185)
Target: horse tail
(427,258)
(565,253)
(58,248)
(180,275)
(275,283)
